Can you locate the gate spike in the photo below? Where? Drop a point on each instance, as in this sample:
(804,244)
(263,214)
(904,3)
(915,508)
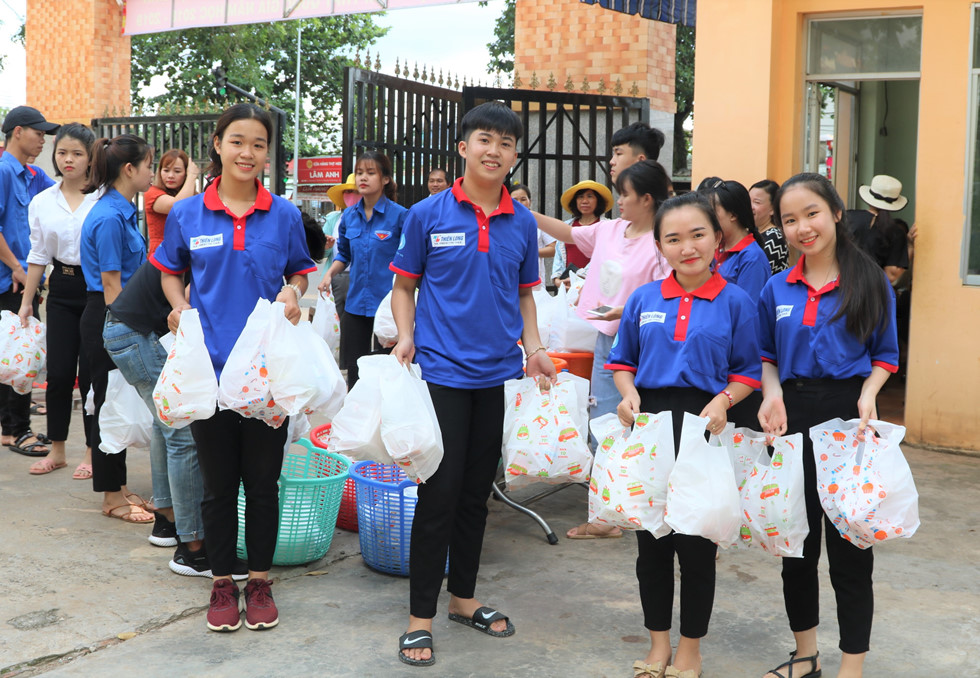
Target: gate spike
(377,62)
(618,87)
(398,70)
(601,88)
(456,81)
(552,83)
(634,90)
(441,81)
(367,59)
(415,73)
(585,84)
(425,77)
(518,83)
(569,85)
(498,81)
(357,58)
(534,80)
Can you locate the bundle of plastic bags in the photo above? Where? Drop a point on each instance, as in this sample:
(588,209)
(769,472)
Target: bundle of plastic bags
(865,488)
(388,418)
(23,352)
(544,437)
(628,487)
(186,389)
(124,420)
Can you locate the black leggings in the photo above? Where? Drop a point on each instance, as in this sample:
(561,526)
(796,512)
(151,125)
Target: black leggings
(356,340)
(66,359)
(233,450)
(695,555)
(808,403)
(451,514)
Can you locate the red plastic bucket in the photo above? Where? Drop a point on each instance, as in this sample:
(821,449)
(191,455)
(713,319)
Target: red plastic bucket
(347,517)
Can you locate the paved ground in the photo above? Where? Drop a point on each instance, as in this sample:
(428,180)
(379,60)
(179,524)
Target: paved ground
(86,596)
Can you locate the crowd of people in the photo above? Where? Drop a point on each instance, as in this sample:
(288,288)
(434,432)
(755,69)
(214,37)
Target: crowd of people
(770,307)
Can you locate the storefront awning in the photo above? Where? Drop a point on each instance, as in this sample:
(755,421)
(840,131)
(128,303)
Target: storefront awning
(668,11)
(158,16)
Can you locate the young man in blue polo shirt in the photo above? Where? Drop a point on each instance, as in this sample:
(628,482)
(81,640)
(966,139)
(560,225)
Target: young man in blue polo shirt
(472,252)
(24,129)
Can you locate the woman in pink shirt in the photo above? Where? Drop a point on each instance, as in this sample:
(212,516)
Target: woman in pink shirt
(623,256)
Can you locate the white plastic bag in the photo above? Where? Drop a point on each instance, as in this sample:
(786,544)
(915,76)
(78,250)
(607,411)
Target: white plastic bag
(384,324)
(702,497)
(771,491)
(23,352)
(545,431)
(569,333)
(186,389)
(124,420)
(865,488)
(326,323)
(303,376)
(409,427)
(545,307)
(628,487)
(244,383)
(356,430)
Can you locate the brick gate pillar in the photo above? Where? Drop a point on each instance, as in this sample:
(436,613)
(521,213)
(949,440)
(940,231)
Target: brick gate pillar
(77,59)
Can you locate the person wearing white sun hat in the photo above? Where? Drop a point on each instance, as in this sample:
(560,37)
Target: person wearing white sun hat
(874,230)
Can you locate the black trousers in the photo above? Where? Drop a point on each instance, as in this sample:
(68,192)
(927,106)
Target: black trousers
(233,450)
(808,403)
(695,555)
(15,409)
(108,470)
(451,514)
(66,359)
(745,414)
(356,340)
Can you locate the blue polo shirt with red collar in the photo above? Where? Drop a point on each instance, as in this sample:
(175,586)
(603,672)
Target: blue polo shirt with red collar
(702,339)
(796,334)
(111,240)
(369,245)
(15,196)
(745,265)
(233,260)
(470,267)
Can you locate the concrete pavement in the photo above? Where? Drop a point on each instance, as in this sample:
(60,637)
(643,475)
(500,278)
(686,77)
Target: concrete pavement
(83,595)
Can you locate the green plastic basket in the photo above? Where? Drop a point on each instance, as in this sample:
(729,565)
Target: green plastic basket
(310,488)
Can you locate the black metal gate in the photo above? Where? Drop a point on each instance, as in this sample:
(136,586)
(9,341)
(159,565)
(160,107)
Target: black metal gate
(566,135)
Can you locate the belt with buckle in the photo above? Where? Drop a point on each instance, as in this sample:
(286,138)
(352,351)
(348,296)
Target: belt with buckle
(67,269)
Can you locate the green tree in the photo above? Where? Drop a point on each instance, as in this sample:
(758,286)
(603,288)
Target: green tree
(683,94)
(502,47)
(259,58)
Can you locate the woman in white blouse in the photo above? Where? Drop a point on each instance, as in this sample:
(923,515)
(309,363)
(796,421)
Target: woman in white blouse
(56,216)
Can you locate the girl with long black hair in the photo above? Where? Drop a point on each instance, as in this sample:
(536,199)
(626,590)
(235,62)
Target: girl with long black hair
(740,257)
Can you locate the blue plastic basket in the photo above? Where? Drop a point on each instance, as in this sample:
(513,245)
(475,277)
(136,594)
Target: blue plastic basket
(310,488)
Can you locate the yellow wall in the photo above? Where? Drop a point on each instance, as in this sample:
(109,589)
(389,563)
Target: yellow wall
(748,125)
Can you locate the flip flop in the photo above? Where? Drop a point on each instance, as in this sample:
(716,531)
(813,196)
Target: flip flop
(39,468)
(36,409)
(416,640)
(587,535)
(137,500)
(82,472)
(482,620)
(28,449)
(128,517)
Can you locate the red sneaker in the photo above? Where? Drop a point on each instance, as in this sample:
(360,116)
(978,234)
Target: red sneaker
(260,608)
(224,613)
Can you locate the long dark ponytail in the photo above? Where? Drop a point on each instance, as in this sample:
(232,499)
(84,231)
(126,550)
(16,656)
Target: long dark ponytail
(734,198)
(647,177)
(865,295)
(109,156)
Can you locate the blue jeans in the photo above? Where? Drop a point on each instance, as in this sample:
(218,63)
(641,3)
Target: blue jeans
(604,392)
(173,455)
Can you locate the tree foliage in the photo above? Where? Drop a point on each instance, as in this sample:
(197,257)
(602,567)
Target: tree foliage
(683,93)
(502,47)
(259,58)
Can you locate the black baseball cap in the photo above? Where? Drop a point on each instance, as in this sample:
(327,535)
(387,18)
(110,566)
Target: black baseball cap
(25,116)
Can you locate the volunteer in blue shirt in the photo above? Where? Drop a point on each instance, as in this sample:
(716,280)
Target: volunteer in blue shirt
(367,238)
(240,244)
(829,342)
(741,259)
(473,254)
(24,129)
(111,250)
(685,344)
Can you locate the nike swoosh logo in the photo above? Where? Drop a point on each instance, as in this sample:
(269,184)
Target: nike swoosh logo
(412,642)
(486,616)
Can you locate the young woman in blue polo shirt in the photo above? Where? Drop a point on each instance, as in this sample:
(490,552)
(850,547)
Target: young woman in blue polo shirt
(367,239)
(112,248)
(740,257)
(240,244)
(829,342)
(685,344)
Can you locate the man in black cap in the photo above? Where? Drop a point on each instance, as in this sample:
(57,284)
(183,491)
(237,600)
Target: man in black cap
(24,129)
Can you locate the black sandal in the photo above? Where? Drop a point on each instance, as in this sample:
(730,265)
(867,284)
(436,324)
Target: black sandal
(416,640)
(28,450)
(815,673)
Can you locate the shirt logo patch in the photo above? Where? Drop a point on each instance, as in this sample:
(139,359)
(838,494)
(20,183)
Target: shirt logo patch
(448,239)
(401,243)
(652,317)
(783,311)
(202,241)
(383,235)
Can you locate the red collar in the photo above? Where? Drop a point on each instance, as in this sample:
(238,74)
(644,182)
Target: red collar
(796,276)
(506,205)
(263,199)
(671,289)
(738,247)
